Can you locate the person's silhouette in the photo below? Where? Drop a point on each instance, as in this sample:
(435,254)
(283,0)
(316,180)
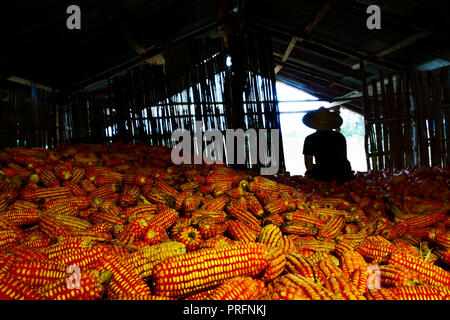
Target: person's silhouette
(328,147)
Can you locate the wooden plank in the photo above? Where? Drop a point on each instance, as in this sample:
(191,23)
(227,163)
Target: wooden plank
(365,106)
(376,109)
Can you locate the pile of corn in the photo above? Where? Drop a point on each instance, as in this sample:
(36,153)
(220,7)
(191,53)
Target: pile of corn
(119,222)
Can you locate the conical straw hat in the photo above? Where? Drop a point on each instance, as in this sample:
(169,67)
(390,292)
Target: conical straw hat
(322,119)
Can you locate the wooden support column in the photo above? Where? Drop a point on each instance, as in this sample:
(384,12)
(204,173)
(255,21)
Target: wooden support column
(365,106)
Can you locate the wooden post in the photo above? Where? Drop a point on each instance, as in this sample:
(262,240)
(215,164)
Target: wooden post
(365,106)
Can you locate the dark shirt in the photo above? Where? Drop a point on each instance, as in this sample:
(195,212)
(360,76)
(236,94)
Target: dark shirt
(329,149)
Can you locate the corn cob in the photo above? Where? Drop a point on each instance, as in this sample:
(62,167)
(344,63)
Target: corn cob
(81,202)
(297,264)
(191,203)
(359,279)
(261,183)
(312,290)
(140,209)
(216,242)
(8,237)
(298,229)
(426,220)
(216,204)
(22,217)
(351,261)
(285,292)
(207,228)
(80,257)
(341,287)
(62,247)
(144,260)
(273,218)
(161,185)
(203,269)
(303,217)
(14,289)
(51,227)
(6,261)
(253,205)
(77,175)
(396,276)
(271,236)
(190,237)
(316,245)
(87,185)
(37,243)
(129,196)
(67,209)
(154,235)
(25,254)
(91,287)
(49,179)
(165,218)
(239,288)
(125,279)
(85,235)
(276,265)
(442,239)
(101,217)
(332,228)
(241,231)
(235,211)
(279,206)
(404,246)
(375,250)
(328,268)
(434,275)
(37,273)
(3,204)
(158,196)
(34,195)
(410,293)
(21,204)
(104,192)
(181,223)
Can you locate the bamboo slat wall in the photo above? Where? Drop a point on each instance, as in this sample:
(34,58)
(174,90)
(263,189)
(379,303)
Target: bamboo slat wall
(148,102)
(29,117)
(407,120)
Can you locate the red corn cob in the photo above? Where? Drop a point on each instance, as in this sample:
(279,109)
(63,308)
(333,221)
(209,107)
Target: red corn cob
(273,218)
(332,228)
(23,253)
(50,193)
(100,217)
(351,261)
(359,279)
(303,217)
(87,185)
(425,220)
(217,204)
(129,196)
(342,287)
(140,209)
(6,261)
(235,211)
(211,268)
(104,191)
(253,205)
(271,236)
(279,206)
(410,293)
(77,175)
(37,273)
(14,289)
(207,228)
(433,274)
(396,276)
(21,204)
(125,279)
(37,243)
(49,179)
(8,237)
(144,260)
(316,245)
(285,292)
(51,227)
(241,231)
(80,257)
(311,290)
(67,208)
(165,218)
(91,287)
(297,264)
(154,235)
(190,237)
(75,188)
(22,217)
(442,239)
(277,263)
(239,288)
(298,229)
(375,250)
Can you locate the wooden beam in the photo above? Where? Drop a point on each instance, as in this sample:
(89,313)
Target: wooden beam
(28,83)
(323,44)
(402,44)
(317,18)
(316,74)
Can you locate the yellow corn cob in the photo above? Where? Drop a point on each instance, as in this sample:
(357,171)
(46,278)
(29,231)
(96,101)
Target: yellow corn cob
(276,265)
(239,288)
(271,236)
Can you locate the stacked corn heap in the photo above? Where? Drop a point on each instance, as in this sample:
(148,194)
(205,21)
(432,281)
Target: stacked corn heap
(121,223)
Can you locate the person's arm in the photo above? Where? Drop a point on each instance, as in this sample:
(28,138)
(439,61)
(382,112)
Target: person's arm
(308,154)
